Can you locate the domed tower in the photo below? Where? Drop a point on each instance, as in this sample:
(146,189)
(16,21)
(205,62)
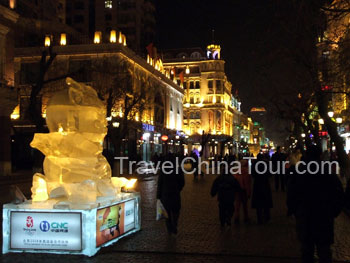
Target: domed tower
(213,51)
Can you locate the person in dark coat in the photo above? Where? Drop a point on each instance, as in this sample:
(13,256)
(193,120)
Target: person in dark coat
(315,200)
(195,164)
(225,186)
(169,192)
(261,197)
(277,158)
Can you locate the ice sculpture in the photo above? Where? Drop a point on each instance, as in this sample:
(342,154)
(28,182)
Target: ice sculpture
(74,167)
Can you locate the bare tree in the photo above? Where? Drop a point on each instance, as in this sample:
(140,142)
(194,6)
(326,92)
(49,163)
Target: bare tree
(127,96)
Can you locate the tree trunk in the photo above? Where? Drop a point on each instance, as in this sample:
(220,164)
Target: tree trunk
(344,162)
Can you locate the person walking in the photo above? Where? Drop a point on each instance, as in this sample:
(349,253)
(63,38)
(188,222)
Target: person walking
(277,161)
(169,190)
(195,164)
(315,199)
(261,197)
(242,197)
(225,187)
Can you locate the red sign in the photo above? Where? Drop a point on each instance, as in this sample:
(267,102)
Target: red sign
(326,87)
(322,133)
(164,138)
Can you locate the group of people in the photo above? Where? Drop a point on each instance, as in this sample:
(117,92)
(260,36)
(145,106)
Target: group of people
(314,199)
(234,191)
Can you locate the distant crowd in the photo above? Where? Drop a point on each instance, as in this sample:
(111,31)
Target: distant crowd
(314,199)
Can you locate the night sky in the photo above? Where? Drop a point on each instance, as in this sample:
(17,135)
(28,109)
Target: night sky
(247,32)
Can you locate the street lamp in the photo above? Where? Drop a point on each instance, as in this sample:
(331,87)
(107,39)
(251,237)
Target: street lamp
(320,121)
(115,124)
(330,114)
(339,120)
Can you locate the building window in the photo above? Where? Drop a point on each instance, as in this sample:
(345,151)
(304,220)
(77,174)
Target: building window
(108,17)
(78,19)
(79,5)
(198,86)
(210,85)
(191,85)
(108,4)
(218,87)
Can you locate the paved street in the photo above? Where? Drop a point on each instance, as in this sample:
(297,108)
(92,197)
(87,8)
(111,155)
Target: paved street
(200,238)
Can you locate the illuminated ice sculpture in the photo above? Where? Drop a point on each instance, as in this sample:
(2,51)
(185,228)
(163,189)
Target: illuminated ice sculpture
(74,167)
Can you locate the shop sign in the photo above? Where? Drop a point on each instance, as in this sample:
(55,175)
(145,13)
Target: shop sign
(322,133)
(147,127)
(46,230)
(164,138)
(114,221)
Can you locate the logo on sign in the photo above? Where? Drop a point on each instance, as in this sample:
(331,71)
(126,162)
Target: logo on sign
(30,221)
(147,127)
(44,226)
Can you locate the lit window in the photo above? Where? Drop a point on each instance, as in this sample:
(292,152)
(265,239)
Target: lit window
(108,4)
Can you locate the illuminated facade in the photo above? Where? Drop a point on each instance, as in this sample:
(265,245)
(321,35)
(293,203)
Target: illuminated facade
(334,75)
(158,112)
(209,106)
(135,18)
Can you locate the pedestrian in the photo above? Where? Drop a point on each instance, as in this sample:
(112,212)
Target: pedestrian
(194,164)
(170,185)
(261,197)
(277,162)
(225,187)
(315,200)
(294,158)
(242,197)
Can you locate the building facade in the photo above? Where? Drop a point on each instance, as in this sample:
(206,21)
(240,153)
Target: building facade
(135,18)
(209,106)
(153,123)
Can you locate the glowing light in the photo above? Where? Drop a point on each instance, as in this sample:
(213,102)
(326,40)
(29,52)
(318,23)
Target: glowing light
(339,120)
(124,40)
(97,37)
(130,184)
(330,114)
(164,138)
(60,129)
(214,99)
(47,41)
(120,38)
(115,124)
(302,135)
(146,135)
(320,121)
(187,71)
(109,118)
(12,4)
(113,36)
(15,114)
(63,40)
(122,182)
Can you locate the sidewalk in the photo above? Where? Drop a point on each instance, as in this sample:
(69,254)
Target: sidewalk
(200,238)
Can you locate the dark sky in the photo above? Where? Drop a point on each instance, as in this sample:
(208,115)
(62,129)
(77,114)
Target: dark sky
(243,28)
